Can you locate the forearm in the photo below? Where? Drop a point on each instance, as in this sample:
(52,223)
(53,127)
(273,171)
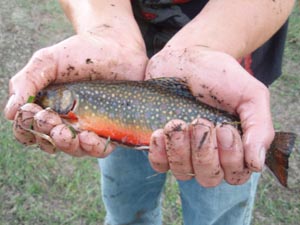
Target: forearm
(233,26)
(102,16)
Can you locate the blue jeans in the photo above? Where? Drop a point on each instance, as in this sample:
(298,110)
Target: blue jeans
(131,194)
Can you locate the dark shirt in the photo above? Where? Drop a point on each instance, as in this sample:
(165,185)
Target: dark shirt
(159,20)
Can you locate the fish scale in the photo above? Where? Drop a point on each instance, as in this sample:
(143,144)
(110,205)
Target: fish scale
(122,102)
(128,112)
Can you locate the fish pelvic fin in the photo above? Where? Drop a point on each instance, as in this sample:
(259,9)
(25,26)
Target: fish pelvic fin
(277,158)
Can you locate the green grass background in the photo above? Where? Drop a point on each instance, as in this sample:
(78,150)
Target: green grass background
(37,188)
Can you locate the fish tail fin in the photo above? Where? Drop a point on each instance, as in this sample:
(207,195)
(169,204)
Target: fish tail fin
(277,158)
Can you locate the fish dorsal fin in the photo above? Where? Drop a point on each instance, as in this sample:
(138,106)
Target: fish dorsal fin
(174,85)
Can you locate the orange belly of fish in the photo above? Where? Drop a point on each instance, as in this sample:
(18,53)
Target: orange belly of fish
(107,128)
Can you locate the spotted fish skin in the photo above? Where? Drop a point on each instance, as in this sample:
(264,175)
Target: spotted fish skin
(129,111)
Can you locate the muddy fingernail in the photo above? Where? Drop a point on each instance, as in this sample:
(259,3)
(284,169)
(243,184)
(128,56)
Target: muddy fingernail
(177,133)
(225,138)
(156,143)
(157,140)
(262,156)
(200,135)
(178,136)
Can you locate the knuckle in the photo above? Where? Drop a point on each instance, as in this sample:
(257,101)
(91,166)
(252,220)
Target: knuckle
(203,158)
(262,91)
(210,177)
(92,145)
(178,157)
(77,152)
(237,178)
(157,69)
(23,123)
(183,177)
(64,139)
(206,157)
(265,90)
(156,160)
(45,120)
(232,162)
(253,165)
(160,167)
(210,182)
(42,57)
(235,181)
(41,53)
(23,136)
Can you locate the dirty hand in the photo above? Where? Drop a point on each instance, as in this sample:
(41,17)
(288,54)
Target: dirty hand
(201,149)
(89,55)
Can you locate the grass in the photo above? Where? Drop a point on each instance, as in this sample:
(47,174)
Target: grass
(37,188)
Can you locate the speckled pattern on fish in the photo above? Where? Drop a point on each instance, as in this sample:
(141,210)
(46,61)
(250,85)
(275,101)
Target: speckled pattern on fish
(129,111)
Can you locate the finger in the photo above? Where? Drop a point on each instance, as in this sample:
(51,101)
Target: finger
(231,155)
(258,131)
(37,74)
(66,140)
(205,156)
(95,146)
(178,149)
(157,153)
(23,123)
(44,122)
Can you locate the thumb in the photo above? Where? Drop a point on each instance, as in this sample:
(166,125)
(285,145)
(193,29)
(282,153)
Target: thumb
(37,74)
(258,131)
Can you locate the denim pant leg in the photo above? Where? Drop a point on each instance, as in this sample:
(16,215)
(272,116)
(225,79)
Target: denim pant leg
(131,190)
(221,205)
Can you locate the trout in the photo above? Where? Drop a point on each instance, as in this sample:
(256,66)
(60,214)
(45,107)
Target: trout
(128,112)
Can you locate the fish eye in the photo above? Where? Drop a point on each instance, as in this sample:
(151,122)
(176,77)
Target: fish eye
(67,102)
(42,98)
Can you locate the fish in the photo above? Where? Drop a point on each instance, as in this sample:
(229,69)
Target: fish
(127,112)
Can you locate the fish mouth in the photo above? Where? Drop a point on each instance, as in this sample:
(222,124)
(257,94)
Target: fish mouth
(60,99)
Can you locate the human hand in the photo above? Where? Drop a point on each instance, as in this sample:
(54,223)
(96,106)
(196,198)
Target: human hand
(89,56)
(201,149)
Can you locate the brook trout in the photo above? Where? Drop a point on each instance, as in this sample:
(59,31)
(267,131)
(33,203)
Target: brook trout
(128,112)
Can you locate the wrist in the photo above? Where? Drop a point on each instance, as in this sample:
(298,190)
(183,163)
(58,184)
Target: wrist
(103,17)
(188,50)
(227,27)
(88,14)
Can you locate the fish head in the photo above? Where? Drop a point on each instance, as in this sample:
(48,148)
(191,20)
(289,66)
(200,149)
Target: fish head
(59,98)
